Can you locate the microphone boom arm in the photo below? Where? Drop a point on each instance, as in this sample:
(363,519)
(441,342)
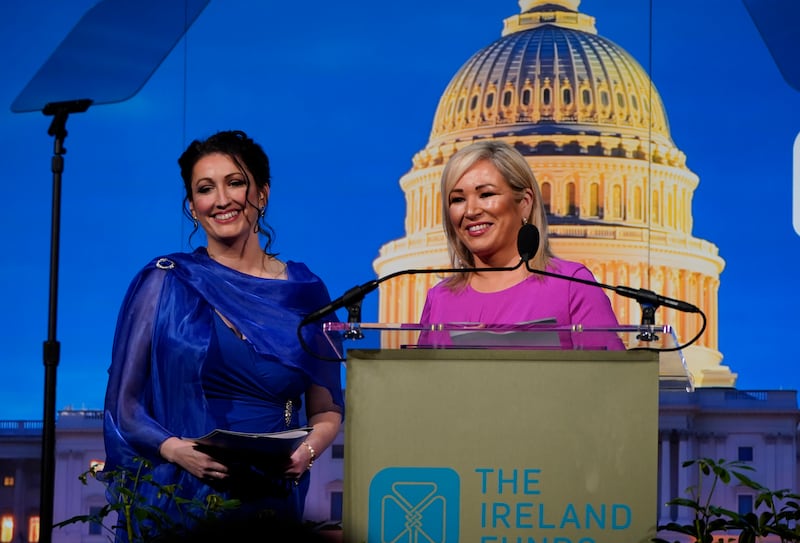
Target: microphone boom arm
(643,296)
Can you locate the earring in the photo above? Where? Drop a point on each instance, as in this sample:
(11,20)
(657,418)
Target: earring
(524,221)
(257,227)
(262,212)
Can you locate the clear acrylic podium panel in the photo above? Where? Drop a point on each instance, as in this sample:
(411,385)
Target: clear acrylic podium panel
(673,372)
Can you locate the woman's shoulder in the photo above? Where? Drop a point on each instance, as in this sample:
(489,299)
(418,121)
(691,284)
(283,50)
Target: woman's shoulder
(446,288)
(565,267)
(170,261)
(300,271)
(160,268)
(149,279)
(300,274)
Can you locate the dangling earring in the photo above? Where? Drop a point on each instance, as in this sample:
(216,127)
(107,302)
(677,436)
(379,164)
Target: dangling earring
(194,221)
(524,221)
(257,227)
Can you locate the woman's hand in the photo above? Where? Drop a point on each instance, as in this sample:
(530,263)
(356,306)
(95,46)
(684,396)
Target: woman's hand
(300,461)
(326,427)
(182,452)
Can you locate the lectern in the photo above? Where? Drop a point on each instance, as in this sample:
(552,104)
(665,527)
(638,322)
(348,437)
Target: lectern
(450,441)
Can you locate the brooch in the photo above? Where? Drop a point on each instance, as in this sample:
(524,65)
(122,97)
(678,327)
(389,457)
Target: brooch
(165,264)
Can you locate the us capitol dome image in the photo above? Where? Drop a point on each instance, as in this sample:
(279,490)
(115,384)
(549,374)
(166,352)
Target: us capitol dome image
(617,189)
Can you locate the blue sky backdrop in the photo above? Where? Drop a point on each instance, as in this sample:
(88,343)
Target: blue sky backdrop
(341,95)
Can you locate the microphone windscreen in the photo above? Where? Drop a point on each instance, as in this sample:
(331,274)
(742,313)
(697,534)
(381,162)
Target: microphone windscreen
(527,241)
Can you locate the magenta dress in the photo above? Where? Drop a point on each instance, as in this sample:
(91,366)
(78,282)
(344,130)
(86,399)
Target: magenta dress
(537,298)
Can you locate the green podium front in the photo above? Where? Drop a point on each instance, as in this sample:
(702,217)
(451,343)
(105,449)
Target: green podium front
(486,445)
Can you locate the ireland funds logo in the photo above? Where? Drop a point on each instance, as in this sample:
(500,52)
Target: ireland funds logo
(408,505)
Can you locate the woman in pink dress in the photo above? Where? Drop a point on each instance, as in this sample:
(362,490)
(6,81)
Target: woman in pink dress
(488,193)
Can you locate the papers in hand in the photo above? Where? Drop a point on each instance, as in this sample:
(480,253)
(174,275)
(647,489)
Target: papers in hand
(227,444)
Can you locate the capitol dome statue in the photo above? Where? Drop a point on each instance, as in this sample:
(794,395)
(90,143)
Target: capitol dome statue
(616,187)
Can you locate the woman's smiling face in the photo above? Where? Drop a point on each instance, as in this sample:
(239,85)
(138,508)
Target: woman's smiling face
(224,200)
(485,215)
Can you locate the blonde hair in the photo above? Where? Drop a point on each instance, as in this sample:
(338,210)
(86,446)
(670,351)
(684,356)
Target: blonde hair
(517,173)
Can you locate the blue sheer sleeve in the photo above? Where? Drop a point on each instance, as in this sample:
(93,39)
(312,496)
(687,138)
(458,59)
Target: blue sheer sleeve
(154,388)
(130,428)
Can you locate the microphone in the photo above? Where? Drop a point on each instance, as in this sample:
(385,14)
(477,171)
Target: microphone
(528,244)
(351,296)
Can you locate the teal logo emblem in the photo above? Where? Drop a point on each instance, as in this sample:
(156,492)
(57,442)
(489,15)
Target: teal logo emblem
(408,505)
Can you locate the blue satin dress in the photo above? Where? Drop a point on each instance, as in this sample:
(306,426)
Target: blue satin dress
(247,392)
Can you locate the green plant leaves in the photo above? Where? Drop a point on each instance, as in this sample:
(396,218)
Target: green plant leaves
(152,524)
(779,510)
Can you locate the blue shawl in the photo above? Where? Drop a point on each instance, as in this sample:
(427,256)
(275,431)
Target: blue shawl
(163,332)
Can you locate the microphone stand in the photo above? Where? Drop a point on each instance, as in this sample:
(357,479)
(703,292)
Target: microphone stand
(81,67)
(354,318)
(648,320)
(52,349)
(527,245)
(648,300)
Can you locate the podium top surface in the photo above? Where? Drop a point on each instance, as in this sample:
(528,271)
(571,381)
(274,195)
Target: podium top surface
(536,336)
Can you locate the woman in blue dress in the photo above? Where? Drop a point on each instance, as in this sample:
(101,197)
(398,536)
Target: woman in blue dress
(208,340)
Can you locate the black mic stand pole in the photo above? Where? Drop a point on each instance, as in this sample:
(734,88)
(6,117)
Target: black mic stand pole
(354,319)
(52,349)
(648,321)
(88,51)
